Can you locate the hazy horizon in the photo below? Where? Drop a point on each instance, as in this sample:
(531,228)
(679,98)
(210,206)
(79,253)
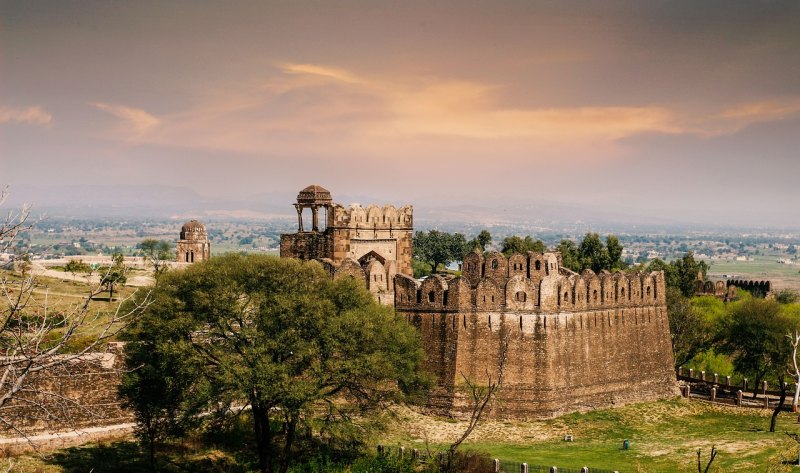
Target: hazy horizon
(674,111)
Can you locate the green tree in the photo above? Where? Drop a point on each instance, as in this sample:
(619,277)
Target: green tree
(516,244)
(691,332)
(278,335)
(154,390)
(435,247)
(681,273)
(754,336)
(158,253)
(116,274)
(614,248)
(481,241)
(593,253)
(787,296)
(569,255)
(77,266)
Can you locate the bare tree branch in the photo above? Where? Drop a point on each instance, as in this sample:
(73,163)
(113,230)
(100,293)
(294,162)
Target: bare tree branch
(36,340)
(480,397)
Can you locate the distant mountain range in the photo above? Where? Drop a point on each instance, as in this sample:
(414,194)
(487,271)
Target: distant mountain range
(159,201)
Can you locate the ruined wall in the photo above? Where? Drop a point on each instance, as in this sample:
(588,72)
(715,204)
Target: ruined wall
(576,342)
(358,233)
(387,231)
(79,394)
(306,246)
(758,288)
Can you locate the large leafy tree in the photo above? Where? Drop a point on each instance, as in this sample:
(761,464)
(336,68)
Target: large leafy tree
(158,253)
(279,336)
(754,336)
(681,273)
(614,248)
(593,253)
(480,242)
(691,331)
(569,255)
(515,244)
(439,248)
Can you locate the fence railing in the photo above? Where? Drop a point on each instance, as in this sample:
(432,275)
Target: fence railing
(725,390)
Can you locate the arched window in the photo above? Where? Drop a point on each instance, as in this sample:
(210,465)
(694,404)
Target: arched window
(566,297)
(431,296)
(494,264)
(594,296)
(648,291)
(520,296)
(538,265)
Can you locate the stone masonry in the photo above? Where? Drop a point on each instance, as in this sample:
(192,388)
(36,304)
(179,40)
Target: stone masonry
(193,245)
(372,243)
(576,342)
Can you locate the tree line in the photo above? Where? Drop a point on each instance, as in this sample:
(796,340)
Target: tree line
(434,250)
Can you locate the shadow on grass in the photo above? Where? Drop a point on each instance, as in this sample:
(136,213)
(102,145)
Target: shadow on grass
(126,457)
(117,457)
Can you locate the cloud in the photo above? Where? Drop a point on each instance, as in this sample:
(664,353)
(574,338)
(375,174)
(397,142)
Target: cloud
(308,109)
(337,74)
(137,121)
(27,116)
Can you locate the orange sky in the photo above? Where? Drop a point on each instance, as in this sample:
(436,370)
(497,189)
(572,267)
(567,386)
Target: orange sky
(612,104)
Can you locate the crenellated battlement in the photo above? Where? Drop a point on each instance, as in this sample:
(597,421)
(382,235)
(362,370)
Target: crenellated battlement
(528,282)
(371,217)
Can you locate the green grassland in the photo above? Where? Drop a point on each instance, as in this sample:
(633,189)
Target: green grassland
(764,267)
(53,296)
(664,436)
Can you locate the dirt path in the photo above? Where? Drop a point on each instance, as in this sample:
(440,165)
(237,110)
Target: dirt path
(66,439)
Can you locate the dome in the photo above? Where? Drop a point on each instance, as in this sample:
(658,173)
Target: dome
(314,194)
(193,230)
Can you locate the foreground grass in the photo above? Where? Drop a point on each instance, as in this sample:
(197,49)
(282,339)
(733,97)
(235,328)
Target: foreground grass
(664,437)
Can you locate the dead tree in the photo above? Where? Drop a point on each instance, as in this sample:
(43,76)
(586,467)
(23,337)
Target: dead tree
(35,338)
(795,341)
(710,460)
(480,397)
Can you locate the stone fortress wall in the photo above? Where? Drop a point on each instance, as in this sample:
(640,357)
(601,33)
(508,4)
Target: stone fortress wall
(575,341)
(726,290)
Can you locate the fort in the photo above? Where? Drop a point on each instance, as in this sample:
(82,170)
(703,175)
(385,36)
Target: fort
(372,243)
(572,342)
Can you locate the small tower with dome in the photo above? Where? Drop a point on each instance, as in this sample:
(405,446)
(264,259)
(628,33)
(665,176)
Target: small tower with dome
(193,245)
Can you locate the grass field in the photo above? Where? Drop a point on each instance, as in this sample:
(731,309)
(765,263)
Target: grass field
(55,295)
(763,267)
(664,437)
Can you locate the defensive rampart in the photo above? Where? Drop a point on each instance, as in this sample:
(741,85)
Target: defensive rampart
(575,341)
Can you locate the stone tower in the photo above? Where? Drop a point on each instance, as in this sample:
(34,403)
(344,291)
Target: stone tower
(371,243)
(193,245)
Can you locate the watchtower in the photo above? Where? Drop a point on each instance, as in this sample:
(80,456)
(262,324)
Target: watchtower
(193,245)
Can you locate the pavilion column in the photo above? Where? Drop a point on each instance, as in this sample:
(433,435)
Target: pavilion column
(299,218)
(315,218)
